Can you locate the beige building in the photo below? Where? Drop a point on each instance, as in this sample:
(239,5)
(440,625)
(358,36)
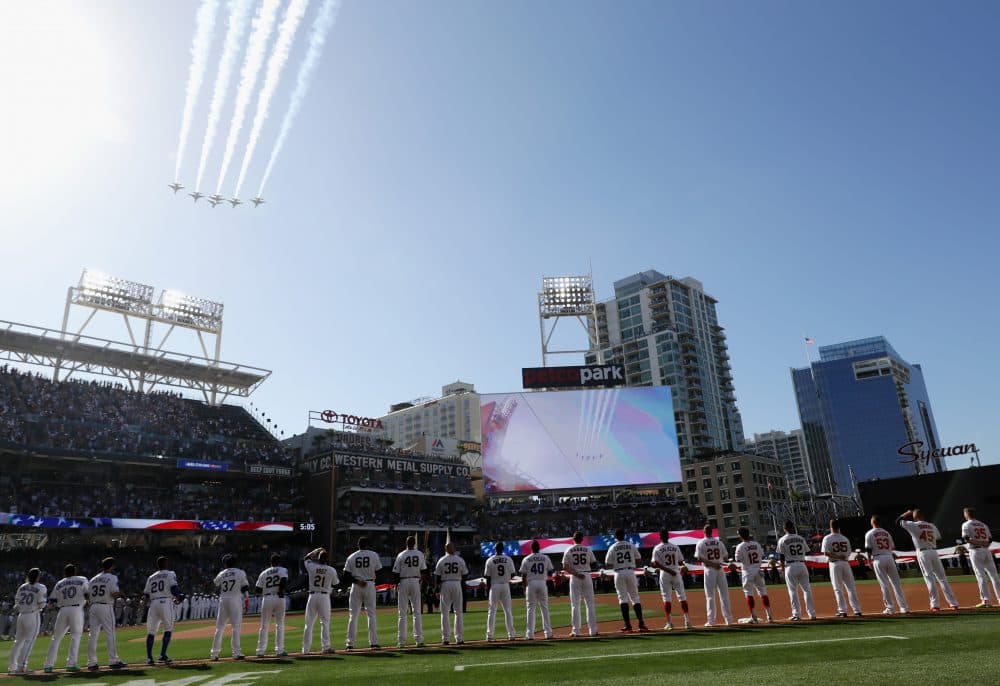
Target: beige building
(455,415)
(737,489)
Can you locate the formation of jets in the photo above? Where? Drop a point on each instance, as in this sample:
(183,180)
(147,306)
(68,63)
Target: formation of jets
(214,200)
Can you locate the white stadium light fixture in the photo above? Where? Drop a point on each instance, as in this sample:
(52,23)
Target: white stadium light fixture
(187,310)
(97,289)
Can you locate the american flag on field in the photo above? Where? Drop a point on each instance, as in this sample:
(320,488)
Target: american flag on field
(217,525)
(810,341)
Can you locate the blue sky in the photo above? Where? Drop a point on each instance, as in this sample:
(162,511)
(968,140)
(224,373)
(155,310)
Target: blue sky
(828,170)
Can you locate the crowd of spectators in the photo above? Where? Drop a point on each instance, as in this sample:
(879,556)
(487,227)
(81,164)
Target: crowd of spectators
(94,496)
(526,518)
(104,417)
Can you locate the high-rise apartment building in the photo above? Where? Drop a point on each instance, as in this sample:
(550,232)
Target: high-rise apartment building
(454,415)
(665,332)
(859,404)
(790,449)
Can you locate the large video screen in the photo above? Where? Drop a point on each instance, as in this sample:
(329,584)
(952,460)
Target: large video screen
(579,439)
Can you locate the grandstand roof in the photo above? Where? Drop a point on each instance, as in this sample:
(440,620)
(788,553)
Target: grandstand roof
(143,369)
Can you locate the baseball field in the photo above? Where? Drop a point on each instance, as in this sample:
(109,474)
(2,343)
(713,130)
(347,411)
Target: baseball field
(943,648)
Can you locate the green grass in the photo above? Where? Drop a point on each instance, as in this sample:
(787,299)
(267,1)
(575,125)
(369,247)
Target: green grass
(941,649)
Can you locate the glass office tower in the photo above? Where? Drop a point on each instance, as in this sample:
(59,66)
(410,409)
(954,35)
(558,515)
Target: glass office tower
(858,404)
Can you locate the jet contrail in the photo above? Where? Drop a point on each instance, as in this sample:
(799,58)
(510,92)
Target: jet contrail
(286,34)
(317,37)
(263,24)
(205,24)
(238,11)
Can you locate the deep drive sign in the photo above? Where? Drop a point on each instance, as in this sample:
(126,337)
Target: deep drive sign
(581,376)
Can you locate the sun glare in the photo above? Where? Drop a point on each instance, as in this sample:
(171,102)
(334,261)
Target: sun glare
(55,68)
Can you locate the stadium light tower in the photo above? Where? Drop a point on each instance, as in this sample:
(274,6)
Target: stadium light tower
(564,297)
(97,292)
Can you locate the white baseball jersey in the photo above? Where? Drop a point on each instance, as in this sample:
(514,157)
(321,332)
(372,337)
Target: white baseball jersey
(668,555)
(976,533)
(269,581)
(750,554)
(103,588)
(322,578)
(158,584)
(711,550)
(231,581)
(578,559)
(362,564)
(838,544)
(451,568)
(499,569)
(622,555)
(71,591)
(793,547)
(924,534)
(409,564)
(536,567)
(30,598)
(878,541)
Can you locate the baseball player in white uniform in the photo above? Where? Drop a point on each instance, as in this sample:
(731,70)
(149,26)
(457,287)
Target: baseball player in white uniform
(272,583)
(450,571)
(712,553)
(623,557)
(29,600)
(750,554)
(409,567)
(978,536)
(536,570)
(103,593)
(321,580)
(498,571)
(668,558)
(70,594)
(161,592)
(234,592)
(360,568)
(578,561)
(793,548)
(837,549)
(925,537)
(879,544)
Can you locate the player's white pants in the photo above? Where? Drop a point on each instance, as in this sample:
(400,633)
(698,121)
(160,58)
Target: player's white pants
(160,613)
(582,590)
(985,570)
(408,600)
(362,596)
(887,574)
(69,619)
(626,587)
(932,569)
(102,618)
(717,590)
(672,583)
(537,597)
(499,595)
(317,608)
(26,632)
(842,579)
(451,598)
(230,612)
(272,608)
(753,581)
(797,577)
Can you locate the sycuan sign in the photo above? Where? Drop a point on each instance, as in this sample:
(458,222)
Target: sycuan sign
(913,452)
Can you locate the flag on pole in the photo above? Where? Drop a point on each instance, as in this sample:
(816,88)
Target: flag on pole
(810,341)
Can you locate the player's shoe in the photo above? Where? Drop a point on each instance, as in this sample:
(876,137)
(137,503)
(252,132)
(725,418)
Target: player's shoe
(346,647)
(72,668)
(400,645)
(239,657)
(709,625)
(118,665)
(149,662)
(375,646)
(47,669)
(92,668)
(888,612)
(549,637)
(329,651)
(668,627)
(643,629)
(214,658)
(812,617)
(857,614)
(574,635)
(460,643)
(420,644)
(842,615)
(794,618)
(164,660)
(954,607)
(259,655)
(281,654)
(687,622)
(981,606)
